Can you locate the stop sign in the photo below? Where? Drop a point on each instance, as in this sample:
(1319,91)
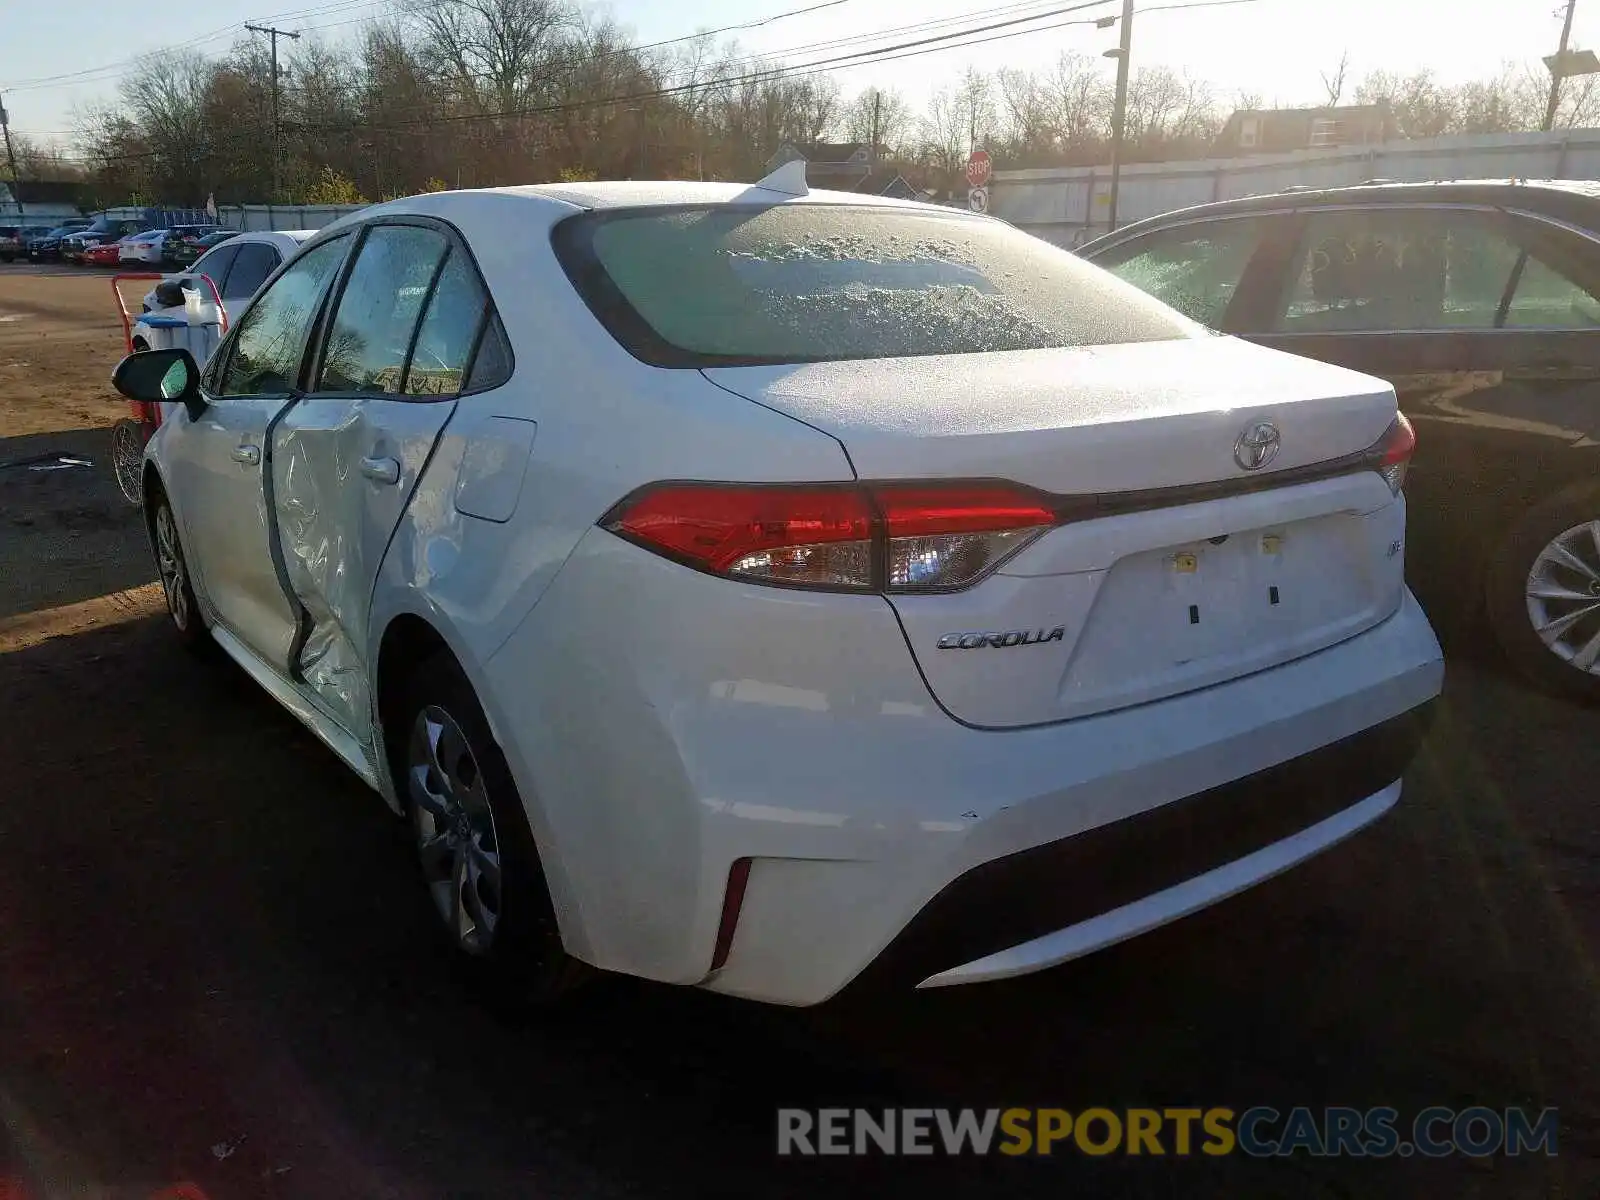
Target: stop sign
(978,168)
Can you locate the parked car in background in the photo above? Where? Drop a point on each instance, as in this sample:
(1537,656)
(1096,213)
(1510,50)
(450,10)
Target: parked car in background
(738,616)
(238,265)
(186,251)
(75,245)
(144,248)
(106,254)
(180,237)
(47,247)
(1481,303)
(14,240)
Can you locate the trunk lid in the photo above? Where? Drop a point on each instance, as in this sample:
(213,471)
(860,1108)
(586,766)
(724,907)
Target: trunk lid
(1091,419)
(1149,603)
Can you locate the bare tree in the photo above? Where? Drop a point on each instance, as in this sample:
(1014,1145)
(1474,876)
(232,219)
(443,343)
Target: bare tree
(1334,83)
(975,98)
(881,114)
(496,53)
(944,132)
(1025,113)
(1078,95)
(1421,108)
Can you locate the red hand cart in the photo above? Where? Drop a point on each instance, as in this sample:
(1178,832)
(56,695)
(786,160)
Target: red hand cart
(129,435)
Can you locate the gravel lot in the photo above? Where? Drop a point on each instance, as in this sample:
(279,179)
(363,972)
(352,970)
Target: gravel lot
(215,965)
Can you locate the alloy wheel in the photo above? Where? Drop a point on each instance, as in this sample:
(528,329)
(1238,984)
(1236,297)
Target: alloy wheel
(455,832)
(170,565)
(1563,596)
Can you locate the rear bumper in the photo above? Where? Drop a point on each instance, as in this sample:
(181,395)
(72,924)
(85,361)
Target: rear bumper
(1051,903)
(686,735)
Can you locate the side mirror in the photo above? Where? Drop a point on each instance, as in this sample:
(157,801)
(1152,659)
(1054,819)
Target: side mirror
(154,376)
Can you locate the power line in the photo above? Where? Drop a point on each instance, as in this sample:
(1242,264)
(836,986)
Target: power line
(868,57)
(909,49)
(765,58)
(771,55)
(120,67)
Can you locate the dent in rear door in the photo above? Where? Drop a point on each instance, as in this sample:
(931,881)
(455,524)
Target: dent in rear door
(344,471)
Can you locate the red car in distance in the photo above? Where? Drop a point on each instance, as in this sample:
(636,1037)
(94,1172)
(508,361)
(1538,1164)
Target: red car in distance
(103,255)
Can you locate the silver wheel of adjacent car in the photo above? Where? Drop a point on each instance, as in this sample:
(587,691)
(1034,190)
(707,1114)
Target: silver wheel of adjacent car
(127,458)
(1563,596)
(455,829)
(170,565)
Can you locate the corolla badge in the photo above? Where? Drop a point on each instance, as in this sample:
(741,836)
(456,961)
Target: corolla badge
(1257,445)
(1000,641)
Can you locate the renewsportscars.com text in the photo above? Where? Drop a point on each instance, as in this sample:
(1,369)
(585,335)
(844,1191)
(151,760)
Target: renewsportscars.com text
(1258,1132)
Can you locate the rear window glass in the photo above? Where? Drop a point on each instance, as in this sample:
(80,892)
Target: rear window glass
(805,283)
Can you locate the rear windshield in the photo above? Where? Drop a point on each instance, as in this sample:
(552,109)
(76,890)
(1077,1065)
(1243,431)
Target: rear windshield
(726,286)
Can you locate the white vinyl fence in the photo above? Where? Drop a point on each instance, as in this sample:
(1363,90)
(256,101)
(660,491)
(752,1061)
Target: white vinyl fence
(1070,205)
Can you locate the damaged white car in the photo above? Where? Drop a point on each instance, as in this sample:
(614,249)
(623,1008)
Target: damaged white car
(744,587)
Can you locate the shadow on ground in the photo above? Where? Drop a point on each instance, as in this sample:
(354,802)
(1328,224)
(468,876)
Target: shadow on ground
(210,936)
(66,532)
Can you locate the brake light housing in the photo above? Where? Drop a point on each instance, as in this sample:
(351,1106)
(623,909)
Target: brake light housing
(1393,452)
(878,537)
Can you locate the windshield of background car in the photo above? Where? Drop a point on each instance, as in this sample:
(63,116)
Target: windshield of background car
(727,285)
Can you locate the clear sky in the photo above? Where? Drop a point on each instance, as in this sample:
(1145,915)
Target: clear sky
(1273,47)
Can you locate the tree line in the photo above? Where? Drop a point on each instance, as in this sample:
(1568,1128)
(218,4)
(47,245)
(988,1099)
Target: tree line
(475,93)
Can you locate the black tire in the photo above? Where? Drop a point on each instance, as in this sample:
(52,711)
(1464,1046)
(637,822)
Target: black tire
(166,543)
(1507,601)
(521,962)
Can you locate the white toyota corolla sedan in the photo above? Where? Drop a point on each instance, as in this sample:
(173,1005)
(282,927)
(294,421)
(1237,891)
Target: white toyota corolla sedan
(742,587)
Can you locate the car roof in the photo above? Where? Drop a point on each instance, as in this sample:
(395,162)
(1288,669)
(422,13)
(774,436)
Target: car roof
(1572,200)
(634,194)
(271,237)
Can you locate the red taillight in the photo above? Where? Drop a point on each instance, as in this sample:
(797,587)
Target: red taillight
(819,535)
(1394,452)
(876,537)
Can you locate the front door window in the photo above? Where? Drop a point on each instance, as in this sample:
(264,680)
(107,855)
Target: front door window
(1194,268)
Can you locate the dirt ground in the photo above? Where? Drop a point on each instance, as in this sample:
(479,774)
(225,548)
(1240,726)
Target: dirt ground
(215,965)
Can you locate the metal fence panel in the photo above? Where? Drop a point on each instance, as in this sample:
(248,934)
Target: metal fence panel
(252,218)
(1069,205)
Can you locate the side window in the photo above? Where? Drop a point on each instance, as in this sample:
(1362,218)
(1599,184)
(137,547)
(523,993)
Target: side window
(377,314)
(215,263)
(254,262)
(1399,269)
(450,326)
(271,340)
(1544,299)
(491,366)
(1195,269)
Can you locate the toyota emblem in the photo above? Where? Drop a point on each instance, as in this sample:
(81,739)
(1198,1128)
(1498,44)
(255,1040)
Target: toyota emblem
(1257,445)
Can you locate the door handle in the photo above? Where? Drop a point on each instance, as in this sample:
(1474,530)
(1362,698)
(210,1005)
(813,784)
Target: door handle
(250,456)
(381,470)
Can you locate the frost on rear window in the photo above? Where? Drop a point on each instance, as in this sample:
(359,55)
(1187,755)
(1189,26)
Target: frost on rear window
(801,283)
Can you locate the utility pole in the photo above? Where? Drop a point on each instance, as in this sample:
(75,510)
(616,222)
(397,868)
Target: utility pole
(11,158)
(277,134)
(1119,112)
(1555,71)
(877,115)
